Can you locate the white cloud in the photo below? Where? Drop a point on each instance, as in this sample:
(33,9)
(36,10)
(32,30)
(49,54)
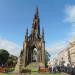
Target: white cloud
(56,48)
(61,45)
(10,46)
(70,18)
(70,13)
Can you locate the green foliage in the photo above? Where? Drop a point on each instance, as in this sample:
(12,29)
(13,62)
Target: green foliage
(6,58)
(12,60)
(4,55)
(47,57)
(10,69)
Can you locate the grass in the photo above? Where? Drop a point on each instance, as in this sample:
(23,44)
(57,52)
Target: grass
(6,74)
(34,74)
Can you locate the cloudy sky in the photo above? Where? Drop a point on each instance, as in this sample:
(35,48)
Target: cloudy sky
(56,16)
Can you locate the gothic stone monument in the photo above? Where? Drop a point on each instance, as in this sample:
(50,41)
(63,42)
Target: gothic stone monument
(34,40)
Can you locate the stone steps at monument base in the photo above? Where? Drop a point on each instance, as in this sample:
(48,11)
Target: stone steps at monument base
(33,66)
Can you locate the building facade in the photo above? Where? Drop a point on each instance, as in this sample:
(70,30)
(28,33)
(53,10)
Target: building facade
(68,54)
(62,57)
(72,52)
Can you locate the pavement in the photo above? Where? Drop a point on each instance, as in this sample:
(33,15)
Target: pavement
(64,74)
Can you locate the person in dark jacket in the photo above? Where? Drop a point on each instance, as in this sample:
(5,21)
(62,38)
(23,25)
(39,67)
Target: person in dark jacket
(73,70)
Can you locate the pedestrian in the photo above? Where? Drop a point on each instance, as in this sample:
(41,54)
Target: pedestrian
(73,70)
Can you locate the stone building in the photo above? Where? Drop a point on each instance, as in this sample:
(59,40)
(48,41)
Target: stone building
(68,54)
(72,52)
(62,57)
(34,40)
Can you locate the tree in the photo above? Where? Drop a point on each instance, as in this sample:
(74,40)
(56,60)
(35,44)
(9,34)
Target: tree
(47,57)
(4,55)
(12,60)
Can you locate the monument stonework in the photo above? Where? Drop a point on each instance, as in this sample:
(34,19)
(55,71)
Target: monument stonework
(34,40)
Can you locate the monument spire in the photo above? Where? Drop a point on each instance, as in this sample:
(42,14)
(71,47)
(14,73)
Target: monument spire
(37,12)
(36,25)
(43,34)
(26,36)
(32,41)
